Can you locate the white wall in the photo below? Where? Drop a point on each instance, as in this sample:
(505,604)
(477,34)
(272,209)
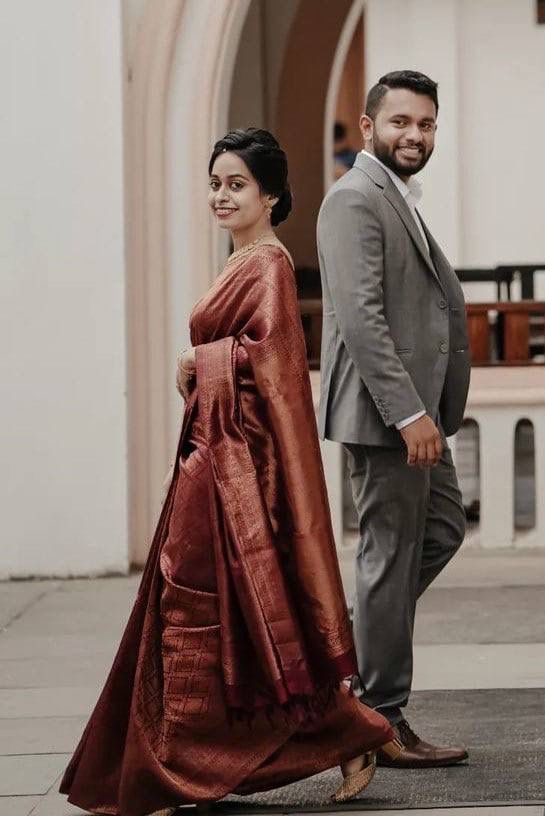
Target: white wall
(62,327)
(422,35)
(502,85)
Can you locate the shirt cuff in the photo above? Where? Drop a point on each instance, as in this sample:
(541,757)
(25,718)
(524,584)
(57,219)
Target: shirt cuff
(404,422)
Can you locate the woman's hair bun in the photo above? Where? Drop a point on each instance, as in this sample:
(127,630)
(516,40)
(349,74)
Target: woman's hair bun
(282,208)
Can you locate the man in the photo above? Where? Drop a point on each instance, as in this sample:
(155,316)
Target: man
(395,375)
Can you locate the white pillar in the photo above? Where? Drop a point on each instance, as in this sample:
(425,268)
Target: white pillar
(536,538)
(498,398)
(497,463)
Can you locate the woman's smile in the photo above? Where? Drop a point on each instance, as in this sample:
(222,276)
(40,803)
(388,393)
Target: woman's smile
(224,212)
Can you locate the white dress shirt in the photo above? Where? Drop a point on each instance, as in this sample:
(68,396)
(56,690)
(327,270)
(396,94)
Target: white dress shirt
(412,193)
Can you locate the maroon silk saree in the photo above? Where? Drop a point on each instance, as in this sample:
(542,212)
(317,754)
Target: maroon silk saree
(228,676)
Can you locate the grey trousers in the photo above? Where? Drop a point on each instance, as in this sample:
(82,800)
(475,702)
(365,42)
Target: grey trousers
(411,523)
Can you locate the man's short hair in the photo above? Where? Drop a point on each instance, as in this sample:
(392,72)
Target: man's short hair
(412,80)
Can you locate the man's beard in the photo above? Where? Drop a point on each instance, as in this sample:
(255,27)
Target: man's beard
(382,152)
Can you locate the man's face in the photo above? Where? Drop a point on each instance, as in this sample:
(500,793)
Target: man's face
(403,134)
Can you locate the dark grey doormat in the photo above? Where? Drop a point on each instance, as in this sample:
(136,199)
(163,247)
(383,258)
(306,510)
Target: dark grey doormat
(504,730)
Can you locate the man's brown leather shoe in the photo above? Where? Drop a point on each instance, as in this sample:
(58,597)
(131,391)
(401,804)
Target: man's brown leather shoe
(419,754)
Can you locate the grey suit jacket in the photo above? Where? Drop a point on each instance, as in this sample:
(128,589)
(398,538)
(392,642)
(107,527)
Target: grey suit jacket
(394,339)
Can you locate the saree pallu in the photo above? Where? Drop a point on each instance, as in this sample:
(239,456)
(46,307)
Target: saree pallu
(240,608)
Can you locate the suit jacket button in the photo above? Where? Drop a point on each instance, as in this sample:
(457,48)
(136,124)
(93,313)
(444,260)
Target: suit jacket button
(443,346)
(443,303)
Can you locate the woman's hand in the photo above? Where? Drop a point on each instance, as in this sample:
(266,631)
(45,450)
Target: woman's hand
(186,372)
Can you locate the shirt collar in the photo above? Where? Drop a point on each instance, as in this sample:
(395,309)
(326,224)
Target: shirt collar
(413,188)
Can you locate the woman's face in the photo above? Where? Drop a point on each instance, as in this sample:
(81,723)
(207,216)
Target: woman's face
(235,197)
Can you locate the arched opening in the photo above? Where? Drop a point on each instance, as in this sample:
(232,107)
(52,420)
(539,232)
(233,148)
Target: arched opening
(468,468)
(524,482)
(286,62)
(347,138)
(267,62)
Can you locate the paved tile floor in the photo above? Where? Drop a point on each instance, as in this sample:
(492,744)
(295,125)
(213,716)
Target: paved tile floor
(481,625)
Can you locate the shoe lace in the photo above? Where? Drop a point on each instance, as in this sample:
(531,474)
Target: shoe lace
(406,733)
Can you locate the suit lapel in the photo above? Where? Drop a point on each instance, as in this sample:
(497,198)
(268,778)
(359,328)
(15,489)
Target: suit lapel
(400,206)
(390,191)
(437,255)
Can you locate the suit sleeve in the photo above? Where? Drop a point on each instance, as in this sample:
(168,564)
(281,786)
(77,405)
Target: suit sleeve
(351,254)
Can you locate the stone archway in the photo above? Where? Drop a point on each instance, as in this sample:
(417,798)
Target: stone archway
(168,74)
(171,257)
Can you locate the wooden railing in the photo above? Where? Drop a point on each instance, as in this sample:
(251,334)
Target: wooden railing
(502,333)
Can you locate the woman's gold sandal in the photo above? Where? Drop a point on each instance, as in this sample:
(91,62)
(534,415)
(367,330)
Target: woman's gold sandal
(354,783)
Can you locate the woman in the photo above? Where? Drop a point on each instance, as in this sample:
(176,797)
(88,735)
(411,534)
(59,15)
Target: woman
(229,674)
